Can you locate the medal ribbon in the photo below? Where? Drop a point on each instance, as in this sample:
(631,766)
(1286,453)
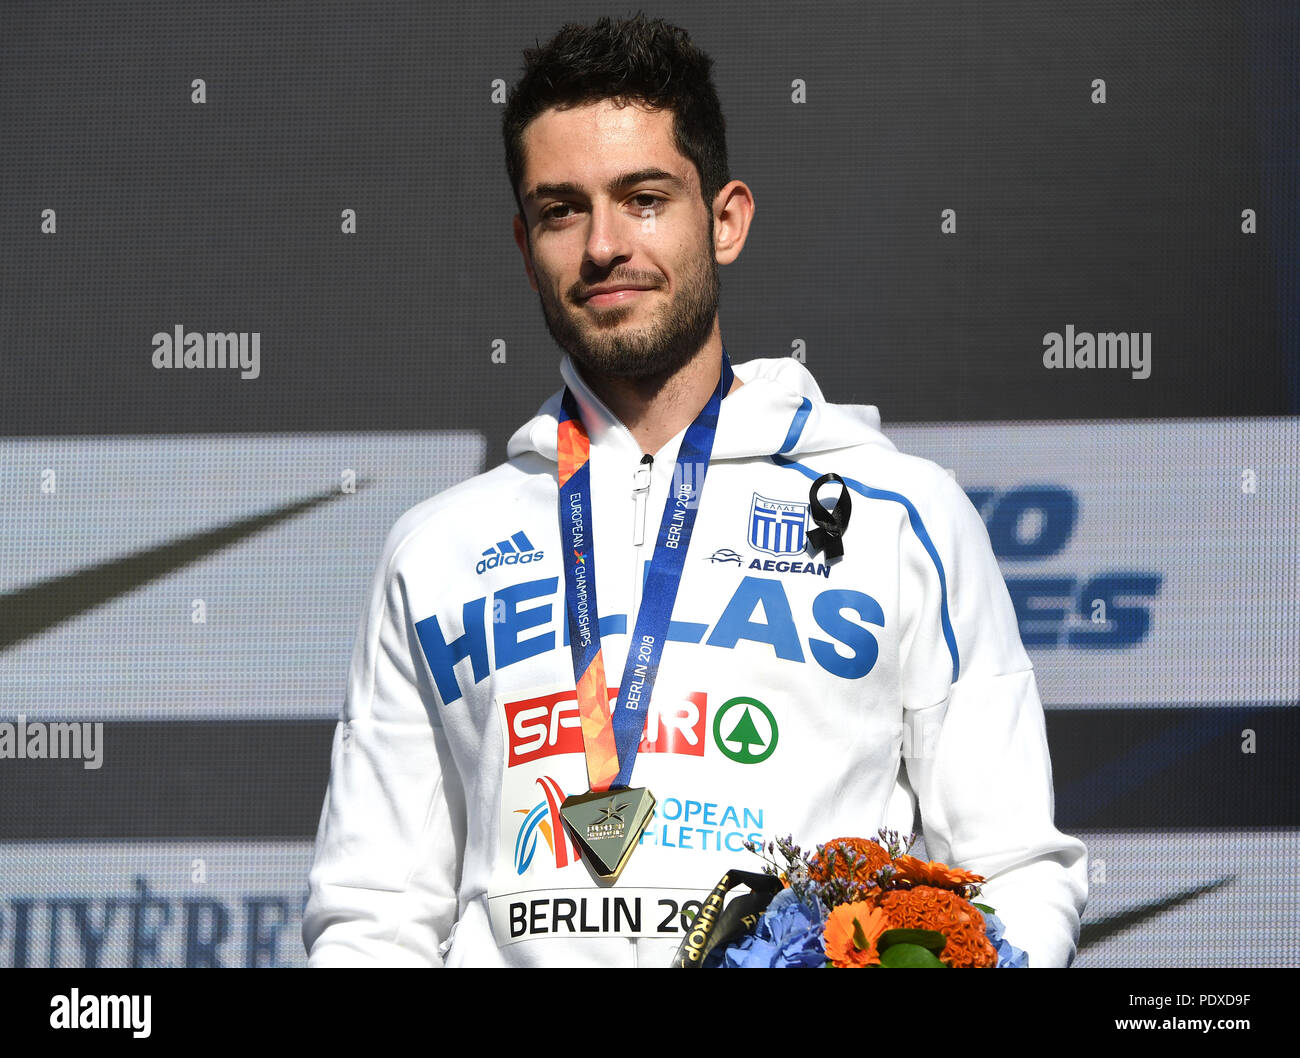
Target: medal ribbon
(611,740)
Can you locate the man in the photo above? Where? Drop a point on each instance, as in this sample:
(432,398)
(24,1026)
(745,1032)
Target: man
(775,686)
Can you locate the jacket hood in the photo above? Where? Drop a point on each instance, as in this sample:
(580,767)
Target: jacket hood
(779,408)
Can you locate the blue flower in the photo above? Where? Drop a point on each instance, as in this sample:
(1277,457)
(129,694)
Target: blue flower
(789,933)
(1009,956)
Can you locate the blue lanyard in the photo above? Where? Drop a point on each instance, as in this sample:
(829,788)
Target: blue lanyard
(661,583)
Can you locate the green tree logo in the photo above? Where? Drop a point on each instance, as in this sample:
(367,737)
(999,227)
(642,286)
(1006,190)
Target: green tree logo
(751,733)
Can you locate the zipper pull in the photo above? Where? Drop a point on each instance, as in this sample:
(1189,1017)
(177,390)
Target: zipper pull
(640,487)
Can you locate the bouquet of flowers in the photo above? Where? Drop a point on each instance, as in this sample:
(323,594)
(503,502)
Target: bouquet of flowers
(857,903)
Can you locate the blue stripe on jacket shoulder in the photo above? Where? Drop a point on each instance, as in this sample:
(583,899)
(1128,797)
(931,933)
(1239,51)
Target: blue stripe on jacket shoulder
(796,426)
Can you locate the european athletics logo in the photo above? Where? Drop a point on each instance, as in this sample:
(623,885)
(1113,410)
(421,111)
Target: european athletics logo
(544,816)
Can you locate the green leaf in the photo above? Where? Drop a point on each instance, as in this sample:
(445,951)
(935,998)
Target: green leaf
(910,956)
(984,907)
(859,937)
(925,938)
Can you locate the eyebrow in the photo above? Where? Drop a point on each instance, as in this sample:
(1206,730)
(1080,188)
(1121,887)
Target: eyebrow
(617,184)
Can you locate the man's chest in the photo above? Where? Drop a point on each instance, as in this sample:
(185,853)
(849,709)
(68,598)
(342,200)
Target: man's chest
(755,605)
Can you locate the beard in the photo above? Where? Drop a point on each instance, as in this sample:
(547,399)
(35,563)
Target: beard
(603,346)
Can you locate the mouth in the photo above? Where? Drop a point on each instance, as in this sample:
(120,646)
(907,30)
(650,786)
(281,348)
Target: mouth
(614,297)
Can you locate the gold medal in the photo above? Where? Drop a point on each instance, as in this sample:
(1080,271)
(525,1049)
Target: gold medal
(607,825)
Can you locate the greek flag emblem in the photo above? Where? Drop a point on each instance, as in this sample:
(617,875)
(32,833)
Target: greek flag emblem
(777,526)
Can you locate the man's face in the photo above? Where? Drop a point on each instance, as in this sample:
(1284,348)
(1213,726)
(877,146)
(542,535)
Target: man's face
(609,202)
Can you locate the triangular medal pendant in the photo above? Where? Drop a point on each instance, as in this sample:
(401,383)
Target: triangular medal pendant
(607,825)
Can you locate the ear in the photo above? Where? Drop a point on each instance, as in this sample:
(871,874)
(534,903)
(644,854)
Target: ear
(733,211)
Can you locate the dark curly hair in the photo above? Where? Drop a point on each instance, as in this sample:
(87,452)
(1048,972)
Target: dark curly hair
(633,59)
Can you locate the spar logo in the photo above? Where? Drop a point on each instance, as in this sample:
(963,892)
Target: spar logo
(744,729)
(751,730)
(549,725)
(544,818)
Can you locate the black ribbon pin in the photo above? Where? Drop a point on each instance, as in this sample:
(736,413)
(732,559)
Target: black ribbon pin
(829,534)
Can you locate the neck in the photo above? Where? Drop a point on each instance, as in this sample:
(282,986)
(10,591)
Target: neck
(657,408)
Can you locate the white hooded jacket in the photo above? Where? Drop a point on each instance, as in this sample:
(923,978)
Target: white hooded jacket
(795,696)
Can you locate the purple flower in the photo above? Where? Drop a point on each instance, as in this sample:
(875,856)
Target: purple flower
(789,933)
(1009,956)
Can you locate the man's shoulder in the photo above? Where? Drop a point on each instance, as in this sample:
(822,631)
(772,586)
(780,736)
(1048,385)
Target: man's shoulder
(933,508)
(873,466)
(444,521)
(843,438)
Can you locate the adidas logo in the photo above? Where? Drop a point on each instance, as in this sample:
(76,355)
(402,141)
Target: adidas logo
(513,552)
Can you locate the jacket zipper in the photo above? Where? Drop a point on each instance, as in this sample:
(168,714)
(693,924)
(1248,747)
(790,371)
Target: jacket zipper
(640,493)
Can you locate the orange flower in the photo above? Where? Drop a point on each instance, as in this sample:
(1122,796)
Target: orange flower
(960,921)
(940,875)
(968,946)
(851,934)
(870,855)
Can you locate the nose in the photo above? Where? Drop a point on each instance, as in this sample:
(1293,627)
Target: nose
(607,239)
